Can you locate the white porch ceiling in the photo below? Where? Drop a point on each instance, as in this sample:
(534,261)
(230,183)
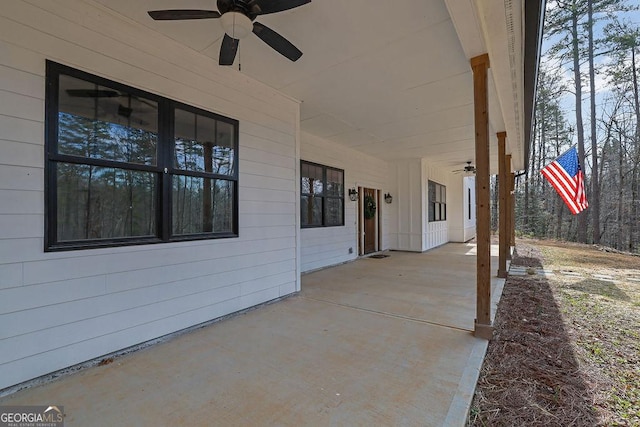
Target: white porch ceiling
(389,79)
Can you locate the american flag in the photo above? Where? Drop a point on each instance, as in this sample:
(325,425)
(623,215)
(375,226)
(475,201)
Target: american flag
(565,175)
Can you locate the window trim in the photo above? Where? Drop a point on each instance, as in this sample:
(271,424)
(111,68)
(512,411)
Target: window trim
(164,150)
(324,195)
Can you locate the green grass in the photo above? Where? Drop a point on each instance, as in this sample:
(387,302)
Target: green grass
(605,318)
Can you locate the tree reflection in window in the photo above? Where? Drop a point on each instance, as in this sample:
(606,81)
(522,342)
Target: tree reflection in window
(205,146)
(321,195)
(103,203)
(126,166)
(95,122)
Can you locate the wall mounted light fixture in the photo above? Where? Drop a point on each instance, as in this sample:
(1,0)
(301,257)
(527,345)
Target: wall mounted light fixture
(353,194)
(388,198)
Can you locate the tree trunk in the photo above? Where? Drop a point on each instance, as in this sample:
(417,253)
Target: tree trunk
(525,220)
(620,192)
(594,200)
(633,220)
(539,224)
(582,217)
(494,204)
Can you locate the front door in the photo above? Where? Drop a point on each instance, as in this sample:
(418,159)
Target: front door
(370,216)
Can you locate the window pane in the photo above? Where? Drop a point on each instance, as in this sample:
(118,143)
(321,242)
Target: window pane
(432,211)
(432,191)
(312,180)
(203,144)
(333,214)
(443,194)
(311,210)
(335,186)
(100,203)
(202,205)
(224,151)
(99,122)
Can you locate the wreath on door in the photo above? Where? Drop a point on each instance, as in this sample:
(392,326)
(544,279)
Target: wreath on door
(369,207)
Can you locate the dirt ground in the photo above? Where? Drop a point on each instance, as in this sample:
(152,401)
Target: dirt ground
(566,348)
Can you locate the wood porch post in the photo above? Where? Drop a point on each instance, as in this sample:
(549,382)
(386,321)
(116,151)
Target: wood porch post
(483,327)
(507,206)
(502,206)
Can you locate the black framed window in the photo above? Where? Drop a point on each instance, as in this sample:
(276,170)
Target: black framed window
(437,202)
(321,195)
(125,166)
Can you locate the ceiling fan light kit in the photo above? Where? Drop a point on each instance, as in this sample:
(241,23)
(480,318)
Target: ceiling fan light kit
(236,25)
(237,18)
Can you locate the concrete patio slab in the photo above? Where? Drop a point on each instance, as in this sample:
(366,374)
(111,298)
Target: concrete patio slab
(437,287)
(371,342)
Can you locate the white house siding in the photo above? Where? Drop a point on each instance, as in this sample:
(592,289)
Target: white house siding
(469,189)
(408,206)
(58,309)
(462,222)
(437,233)
(410,226)
(321,247)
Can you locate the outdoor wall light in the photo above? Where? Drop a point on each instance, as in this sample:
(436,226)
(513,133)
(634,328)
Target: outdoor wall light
(388,198)
(353,194)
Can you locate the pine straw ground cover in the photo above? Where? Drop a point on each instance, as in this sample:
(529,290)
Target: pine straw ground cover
(566,348)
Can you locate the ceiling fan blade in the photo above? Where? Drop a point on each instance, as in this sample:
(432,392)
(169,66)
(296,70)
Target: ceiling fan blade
(263,7)
(276,41)
(178,14)
(92,93)
(228,50)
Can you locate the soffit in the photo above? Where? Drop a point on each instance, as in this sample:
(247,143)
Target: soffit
(391,80)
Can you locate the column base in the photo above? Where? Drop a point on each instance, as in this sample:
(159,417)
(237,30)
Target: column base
(483,331)
(502,274)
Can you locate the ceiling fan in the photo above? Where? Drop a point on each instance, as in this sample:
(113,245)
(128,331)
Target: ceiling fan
(469,168)
(237,17)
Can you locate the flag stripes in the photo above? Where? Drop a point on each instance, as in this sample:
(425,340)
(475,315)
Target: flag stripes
(569,187)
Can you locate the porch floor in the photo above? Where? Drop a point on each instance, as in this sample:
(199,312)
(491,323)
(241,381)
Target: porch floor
(372,342)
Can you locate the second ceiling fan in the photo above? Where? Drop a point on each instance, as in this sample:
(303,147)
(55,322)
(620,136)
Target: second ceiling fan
(469,168)
(238,18)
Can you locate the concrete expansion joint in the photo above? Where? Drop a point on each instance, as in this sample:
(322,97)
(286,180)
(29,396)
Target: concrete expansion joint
(386,314)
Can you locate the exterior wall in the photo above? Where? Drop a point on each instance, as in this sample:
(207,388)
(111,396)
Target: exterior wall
(470,217)
(437,233)
(324,246)
(58,309)
(408,212)
(410,228)
(463,222)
